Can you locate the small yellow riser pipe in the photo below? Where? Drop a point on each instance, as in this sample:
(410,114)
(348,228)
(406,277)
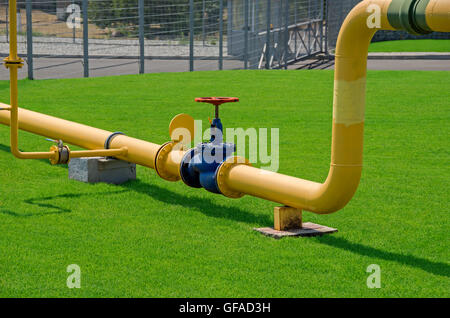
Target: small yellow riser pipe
(13,63)
(98,152)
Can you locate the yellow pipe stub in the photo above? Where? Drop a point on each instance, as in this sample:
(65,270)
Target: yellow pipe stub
(181,128)
(223,172)
(161,159)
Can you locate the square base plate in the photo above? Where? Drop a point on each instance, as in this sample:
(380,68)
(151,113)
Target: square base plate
(308,229)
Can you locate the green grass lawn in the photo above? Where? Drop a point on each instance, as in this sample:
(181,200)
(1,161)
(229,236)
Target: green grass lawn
(153,238)
(425,45)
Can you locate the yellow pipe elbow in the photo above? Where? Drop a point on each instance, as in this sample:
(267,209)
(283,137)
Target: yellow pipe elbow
(348,108)
(347,129)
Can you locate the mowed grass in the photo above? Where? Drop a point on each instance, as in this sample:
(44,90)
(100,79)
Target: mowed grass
(422,45)
(153,238)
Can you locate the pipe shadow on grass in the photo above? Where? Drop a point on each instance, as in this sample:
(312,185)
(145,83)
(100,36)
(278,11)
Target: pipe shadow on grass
(42,203)
(436,268)
(206,206)
(5,148)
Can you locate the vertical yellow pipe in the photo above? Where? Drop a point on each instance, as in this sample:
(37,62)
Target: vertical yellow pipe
(13,63)
(13,29)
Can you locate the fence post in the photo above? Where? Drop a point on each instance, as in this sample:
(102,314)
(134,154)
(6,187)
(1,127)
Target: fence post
(141,37)
(295,31)
(268,35)
(326,27)
(286,33)
(308,49)
(321,25)
(203,22)
(29,9)
(221,35)
(191,35)
(85,39)
(73,26)
(7,23)
(245,34)
(229,26)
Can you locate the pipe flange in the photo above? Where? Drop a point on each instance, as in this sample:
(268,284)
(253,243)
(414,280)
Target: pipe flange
(160,160)
(9,62)
(222,173)
(110,138)
(62,153)
(190,180)
(409,15)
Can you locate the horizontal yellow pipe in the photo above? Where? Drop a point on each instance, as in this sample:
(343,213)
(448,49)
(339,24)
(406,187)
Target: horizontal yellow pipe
(139,151)
(438,15)
(98,153)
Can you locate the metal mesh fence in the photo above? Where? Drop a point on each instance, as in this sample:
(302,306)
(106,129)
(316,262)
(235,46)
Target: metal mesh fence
(271,34)
(336,11)
(75,38)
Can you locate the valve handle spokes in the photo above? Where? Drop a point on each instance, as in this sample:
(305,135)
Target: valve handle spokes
(216,101)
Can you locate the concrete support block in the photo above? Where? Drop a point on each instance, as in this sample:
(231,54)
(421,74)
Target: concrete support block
(100,169)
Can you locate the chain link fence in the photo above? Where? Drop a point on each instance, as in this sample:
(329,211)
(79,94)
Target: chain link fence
(76,38)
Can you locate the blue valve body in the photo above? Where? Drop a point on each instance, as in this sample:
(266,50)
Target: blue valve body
(199,165)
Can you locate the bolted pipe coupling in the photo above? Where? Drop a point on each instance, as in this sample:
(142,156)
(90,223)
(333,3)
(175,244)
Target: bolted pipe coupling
(62,154)
(161,158)
(409,15)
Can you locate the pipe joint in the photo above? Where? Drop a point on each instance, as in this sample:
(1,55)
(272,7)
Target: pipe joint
(10,62)
(222,175)
(161,160)
(409,15)
(62,154)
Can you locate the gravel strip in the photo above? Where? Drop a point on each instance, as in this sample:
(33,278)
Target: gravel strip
(51,46)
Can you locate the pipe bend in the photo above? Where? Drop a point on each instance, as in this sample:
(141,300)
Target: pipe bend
(347,126)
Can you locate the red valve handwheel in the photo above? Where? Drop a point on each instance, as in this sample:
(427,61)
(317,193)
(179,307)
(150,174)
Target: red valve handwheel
(217,100)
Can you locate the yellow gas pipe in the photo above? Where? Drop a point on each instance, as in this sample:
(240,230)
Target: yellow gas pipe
(416,16)
(13,62)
